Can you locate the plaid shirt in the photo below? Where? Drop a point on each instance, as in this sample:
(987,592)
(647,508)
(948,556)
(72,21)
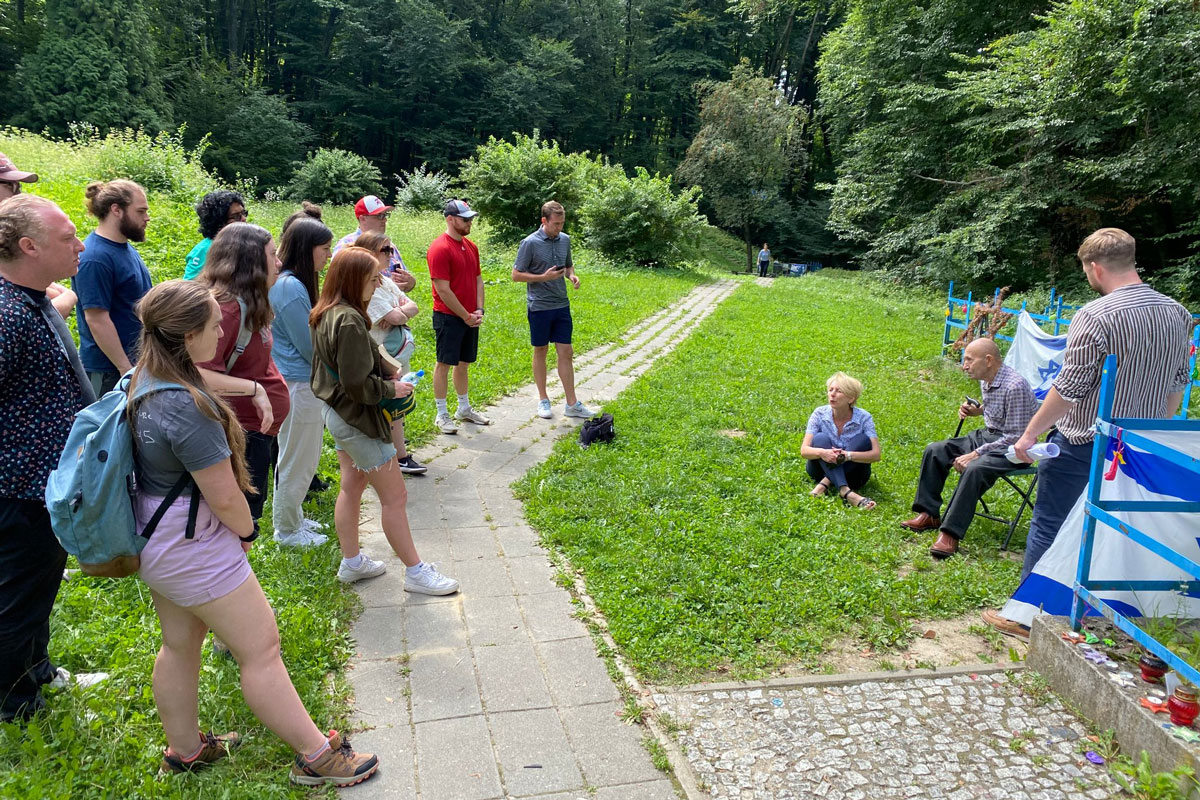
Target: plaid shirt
(40,394)
(1008,405)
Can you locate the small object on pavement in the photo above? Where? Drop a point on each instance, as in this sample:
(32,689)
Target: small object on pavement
(1073,637)
(1094,757)
(1183,706)
(1155,705)
(1090,637)
(1152,667)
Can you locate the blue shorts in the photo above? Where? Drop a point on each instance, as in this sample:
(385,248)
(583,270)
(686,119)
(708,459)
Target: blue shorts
(551,325)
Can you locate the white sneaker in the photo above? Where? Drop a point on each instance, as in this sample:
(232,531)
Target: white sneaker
(429,581)
(304,537)
(62,679)
(579,410)
(370,568)
(445,424)
(311,525)
(471,415)
(543,409)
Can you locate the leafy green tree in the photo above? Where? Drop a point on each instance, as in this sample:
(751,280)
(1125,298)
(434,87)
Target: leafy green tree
(95,63)
(640,218)
(334,176)
(748,153)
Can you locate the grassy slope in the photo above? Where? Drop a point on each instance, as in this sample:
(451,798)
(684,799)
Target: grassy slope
(106,742)
(705,551)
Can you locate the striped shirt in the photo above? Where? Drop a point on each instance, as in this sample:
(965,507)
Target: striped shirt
(1148,332)
(1008,405)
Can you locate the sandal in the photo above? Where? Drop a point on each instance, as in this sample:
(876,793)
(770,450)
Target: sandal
(821,489)
(864,503)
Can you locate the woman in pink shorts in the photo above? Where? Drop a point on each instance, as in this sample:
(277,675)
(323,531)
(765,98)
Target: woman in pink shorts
(196,568)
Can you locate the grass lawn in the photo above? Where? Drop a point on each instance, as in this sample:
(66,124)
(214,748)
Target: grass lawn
(694,530)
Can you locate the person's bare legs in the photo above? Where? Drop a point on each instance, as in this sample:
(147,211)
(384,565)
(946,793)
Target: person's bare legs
(460,378)
(244,621)
(441,374)
(176,675)
(566,370)
(388,483)
(398,438)
(539,370)
(349,501)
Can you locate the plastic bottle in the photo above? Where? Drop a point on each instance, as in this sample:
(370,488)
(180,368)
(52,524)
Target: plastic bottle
(413,377)
(1039,451)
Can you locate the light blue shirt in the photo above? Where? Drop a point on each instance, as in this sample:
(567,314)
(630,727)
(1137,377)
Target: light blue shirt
(293,350)
(821,421)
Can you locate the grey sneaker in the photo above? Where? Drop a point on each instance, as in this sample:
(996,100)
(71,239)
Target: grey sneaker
(305,537)
(543,409)
(471,415)
(429,581)
(445,424)
(370,568)
(311,525)
(579,410)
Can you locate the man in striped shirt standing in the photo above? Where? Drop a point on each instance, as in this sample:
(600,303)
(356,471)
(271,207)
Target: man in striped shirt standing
(1149,333)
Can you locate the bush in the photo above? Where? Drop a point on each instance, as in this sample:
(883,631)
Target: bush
(509,181)
(422,189)
(160,163)
(334,176)
(640,218)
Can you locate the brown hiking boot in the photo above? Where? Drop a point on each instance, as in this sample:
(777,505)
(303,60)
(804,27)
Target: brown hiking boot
(338,765)
(922,522)
(213,749)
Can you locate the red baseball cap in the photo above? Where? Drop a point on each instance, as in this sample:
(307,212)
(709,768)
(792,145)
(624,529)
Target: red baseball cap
(369,206)
(10,173)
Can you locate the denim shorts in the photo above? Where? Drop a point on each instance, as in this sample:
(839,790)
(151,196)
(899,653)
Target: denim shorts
(367,452)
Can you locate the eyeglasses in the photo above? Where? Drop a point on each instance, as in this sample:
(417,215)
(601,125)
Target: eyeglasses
(13,186)
(238,216)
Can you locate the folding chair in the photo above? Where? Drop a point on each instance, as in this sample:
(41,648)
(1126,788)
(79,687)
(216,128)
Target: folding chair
(1026,494)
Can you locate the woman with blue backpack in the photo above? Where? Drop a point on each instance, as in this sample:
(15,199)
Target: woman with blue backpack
(304,250)
(360,397)
(195,562)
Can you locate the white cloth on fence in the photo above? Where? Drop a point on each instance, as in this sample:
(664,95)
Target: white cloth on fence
(1142,476)
(1036,355)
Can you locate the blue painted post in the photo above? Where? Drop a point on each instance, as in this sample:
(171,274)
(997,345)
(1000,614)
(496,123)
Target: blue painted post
(1108,385)
(1187,390)
(1058,315)
(949,315)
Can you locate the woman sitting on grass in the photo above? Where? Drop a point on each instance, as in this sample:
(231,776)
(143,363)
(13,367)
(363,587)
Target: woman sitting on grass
(359,397)
(204,580)
(840,443)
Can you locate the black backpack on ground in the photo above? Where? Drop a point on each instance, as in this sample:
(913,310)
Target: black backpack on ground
(597,429)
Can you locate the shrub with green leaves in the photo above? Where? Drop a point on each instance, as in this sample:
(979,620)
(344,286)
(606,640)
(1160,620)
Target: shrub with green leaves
(640,218)
(509,181)
(159,162)
(334,176)
(422,189)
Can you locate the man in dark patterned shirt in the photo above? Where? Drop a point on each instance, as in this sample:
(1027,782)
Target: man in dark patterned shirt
(1008,405)
(42,387)
(1150,335)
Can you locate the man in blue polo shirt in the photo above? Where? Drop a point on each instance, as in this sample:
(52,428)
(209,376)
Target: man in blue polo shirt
(112,278)
(544,265)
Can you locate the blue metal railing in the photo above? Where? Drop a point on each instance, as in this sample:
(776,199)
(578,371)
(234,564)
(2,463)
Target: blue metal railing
(1097,510)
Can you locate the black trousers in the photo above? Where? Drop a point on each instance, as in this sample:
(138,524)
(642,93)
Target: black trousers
(31,569)
(762,268)
(851,473)
(258,462)
(980,475)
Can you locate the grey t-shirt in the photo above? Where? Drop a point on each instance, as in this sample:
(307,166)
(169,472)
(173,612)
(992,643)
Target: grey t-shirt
(173,436)
(537,254)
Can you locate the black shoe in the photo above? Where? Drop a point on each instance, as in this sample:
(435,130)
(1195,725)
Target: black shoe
(409,466)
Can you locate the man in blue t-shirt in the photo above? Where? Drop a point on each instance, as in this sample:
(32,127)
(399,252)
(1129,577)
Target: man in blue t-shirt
(544,265)
(112,278)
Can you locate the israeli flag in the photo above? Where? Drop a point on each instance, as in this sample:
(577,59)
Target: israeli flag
(1036,355)
(1139,476)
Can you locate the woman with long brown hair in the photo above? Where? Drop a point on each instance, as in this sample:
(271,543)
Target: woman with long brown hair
(195,563)
(359,395)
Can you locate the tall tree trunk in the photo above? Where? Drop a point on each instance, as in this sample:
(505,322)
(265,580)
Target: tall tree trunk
(232,34)
(749,247)
(799,70)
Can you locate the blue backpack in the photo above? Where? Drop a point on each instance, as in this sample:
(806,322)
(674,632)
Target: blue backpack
(90,495)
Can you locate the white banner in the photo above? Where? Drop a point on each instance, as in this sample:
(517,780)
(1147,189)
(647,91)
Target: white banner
(1036,355)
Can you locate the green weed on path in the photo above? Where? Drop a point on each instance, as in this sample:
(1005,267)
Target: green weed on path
(694,529)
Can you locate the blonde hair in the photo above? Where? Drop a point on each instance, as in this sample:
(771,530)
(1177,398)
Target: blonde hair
(21,216)
(1112,247)
(851,387)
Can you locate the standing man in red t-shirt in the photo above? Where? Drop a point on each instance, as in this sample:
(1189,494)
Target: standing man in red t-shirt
(457,312)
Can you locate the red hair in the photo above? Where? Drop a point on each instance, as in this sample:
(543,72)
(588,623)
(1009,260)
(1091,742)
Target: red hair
(345,282)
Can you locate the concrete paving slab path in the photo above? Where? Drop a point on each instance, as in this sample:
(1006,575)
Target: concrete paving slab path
(497,691)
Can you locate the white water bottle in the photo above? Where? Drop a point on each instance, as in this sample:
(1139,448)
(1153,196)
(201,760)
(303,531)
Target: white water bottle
(1039,451)
(413,377)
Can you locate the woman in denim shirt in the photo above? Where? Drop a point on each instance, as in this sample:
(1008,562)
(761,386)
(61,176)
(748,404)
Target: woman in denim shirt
(840,443)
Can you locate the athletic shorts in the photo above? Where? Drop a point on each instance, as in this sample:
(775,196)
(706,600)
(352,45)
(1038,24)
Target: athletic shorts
(456,340)
(551,325)
(190,572)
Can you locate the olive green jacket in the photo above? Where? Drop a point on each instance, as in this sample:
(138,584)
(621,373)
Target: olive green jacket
(348,373)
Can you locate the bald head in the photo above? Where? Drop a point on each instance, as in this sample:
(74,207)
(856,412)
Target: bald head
(981,360)
(983,347)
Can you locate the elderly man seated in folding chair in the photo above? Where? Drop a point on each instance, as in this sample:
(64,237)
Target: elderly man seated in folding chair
(1008,405)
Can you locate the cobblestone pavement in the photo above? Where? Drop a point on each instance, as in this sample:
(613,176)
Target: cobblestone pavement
(497,691)
(961,738)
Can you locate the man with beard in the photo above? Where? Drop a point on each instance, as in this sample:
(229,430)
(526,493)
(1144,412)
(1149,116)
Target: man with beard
(112,278)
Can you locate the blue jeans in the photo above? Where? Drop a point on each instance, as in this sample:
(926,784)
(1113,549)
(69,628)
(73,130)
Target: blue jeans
(1060,482)
(852,473)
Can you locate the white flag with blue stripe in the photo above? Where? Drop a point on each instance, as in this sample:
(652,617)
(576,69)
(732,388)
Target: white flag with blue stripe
(1036,355)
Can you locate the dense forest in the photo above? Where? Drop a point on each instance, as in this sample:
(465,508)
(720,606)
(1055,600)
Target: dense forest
(934,139)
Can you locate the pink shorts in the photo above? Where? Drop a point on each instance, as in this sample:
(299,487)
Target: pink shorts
(190,572)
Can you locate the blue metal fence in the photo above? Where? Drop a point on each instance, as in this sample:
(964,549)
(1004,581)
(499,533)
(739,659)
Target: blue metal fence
(1127,431)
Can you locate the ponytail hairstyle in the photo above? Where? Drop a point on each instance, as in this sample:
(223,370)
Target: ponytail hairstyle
(169,312)
(237,269)
(307,211)
(101,196)
(296,246)
(349,273)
